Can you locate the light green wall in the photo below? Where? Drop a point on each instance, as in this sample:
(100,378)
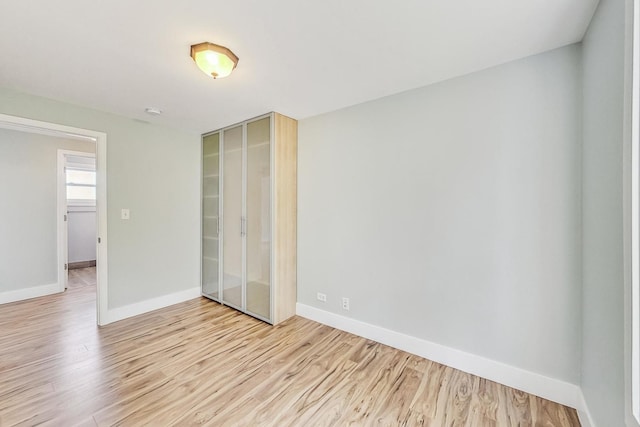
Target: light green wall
(603,287)
(451,213)
(153,171)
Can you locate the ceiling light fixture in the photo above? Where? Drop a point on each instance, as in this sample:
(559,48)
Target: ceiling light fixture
(214,60)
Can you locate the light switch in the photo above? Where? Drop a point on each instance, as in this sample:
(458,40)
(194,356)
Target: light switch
(124,214)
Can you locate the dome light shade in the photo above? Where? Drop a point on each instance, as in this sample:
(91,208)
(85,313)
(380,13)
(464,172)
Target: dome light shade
(214,60)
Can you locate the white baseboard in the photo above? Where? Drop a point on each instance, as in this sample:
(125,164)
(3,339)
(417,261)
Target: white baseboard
(120,313)
(549,388)
(583,412)
(27,293)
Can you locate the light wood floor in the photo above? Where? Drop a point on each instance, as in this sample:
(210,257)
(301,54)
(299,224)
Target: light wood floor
(201,363)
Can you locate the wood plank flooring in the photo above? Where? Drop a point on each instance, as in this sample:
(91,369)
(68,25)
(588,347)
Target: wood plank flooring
(199,363)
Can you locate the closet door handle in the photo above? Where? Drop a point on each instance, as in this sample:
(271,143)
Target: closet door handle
(242,226)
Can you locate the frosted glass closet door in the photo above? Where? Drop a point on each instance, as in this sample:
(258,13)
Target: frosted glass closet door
(259,218)
(232,214)
(210,211)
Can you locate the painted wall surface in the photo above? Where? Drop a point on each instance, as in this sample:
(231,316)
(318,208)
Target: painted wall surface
(152,170)
(452,213)
(82,233)
(603,340)
(28,233)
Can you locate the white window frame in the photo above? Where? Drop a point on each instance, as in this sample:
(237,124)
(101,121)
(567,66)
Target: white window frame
(81,167)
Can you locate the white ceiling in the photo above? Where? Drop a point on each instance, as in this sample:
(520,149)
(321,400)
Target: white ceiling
(297,57)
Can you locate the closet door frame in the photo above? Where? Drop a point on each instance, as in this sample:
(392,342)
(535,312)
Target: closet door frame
(243,220)
(221,270)
(271,213)
(219,215)
(220,219)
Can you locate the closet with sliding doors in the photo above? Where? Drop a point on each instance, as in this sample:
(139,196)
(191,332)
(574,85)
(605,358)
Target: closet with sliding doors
(249,194)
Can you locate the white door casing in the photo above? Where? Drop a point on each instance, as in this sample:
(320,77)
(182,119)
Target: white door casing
(63,214)
(100,139)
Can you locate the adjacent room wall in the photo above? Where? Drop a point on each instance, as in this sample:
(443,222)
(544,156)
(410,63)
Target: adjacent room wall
(28,179)
(452,213)
(153,171)
(603,340)
(82,233)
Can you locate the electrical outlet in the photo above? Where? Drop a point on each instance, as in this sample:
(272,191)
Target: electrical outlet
(124,214)
(345,303)
(321,297)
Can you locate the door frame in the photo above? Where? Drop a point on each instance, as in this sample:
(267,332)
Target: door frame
(63,214)
(100,139)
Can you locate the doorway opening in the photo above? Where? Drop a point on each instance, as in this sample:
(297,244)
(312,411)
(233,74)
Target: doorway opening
(99,140)
(79,202)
